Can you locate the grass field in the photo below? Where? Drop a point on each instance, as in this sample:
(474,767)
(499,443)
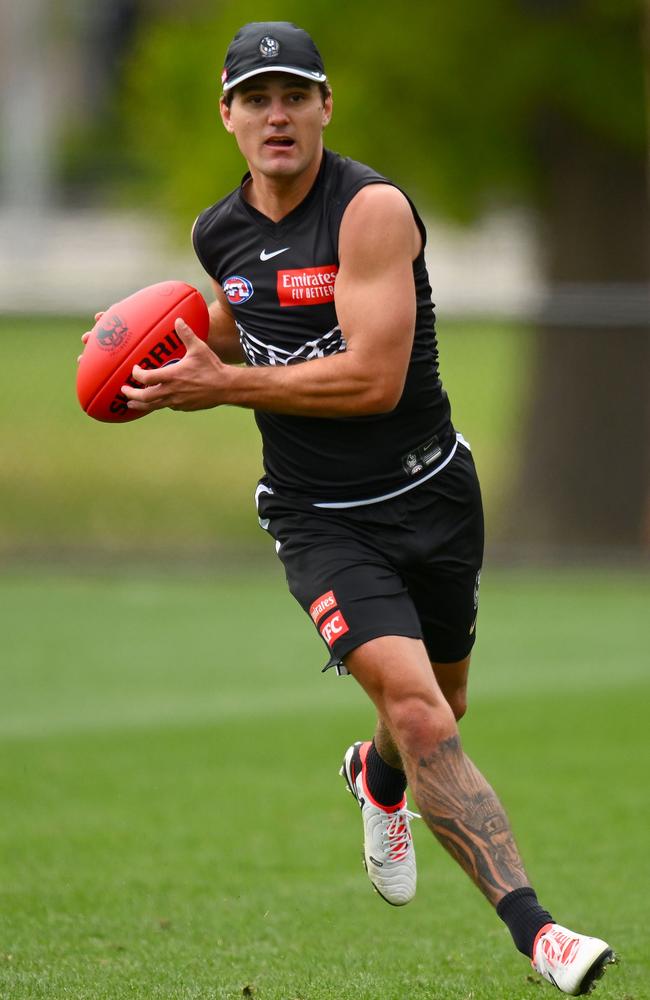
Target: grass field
(187,479)
(160,838)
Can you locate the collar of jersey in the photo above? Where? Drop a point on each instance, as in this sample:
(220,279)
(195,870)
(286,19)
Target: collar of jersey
(268,225)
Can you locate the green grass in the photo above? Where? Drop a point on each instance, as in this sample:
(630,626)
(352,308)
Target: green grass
(188,479)
(159,839)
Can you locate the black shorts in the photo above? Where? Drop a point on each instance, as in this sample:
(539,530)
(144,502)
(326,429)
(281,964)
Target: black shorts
(406,566)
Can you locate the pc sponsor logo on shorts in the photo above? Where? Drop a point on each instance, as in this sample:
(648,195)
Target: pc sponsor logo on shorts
(237,289)
(307,286)
(330,623)
(333,628)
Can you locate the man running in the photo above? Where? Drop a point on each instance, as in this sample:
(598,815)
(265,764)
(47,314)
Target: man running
(371,495)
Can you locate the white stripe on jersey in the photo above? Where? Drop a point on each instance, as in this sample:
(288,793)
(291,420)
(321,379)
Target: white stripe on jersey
(260,353)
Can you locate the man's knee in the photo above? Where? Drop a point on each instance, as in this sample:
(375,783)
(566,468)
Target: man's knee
(396,672)
(419,722)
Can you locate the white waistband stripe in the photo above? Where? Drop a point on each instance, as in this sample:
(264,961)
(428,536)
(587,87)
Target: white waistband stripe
(405,489)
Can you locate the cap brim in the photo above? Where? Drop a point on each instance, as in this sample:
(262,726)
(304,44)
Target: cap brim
(291,70)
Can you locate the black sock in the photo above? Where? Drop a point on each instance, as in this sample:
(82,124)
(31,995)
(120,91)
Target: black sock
(386,784)
(524,917)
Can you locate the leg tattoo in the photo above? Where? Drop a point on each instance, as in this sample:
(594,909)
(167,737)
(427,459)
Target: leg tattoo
(464,813)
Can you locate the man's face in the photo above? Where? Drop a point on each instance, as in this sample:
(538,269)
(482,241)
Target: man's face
(277,120)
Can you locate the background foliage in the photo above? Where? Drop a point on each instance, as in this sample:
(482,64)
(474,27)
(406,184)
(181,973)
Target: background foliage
(448,98)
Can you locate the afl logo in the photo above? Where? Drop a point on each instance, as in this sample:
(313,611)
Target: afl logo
(237,289)
(269,47)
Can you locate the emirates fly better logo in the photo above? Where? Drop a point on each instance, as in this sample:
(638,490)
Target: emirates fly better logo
(307,286)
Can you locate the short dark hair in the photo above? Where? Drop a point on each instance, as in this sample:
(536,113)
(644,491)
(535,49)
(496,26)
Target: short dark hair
(325,92)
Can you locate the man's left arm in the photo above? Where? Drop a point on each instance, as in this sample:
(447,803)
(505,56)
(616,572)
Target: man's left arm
(375,306)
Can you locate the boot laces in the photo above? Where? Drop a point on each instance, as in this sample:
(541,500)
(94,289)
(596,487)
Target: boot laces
(396,834)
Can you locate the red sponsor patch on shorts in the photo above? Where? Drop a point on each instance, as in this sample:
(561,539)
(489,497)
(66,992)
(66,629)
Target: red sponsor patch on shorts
(333,628)
(307,286)
(321,605)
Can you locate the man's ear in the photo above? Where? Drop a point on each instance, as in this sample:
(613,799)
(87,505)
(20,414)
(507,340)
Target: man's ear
(327,110)
(225,115)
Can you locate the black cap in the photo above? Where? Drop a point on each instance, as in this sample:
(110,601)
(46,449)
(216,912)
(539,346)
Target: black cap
(271,47)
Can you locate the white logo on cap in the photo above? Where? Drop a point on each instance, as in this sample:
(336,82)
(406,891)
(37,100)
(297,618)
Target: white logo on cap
(269,47)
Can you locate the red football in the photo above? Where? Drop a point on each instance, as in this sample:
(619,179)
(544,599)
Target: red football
(137,330)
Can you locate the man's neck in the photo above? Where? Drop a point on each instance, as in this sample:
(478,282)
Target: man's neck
(275,197)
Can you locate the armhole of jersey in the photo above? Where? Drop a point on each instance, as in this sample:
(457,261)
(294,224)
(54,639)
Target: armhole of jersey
(418,221)
(355,191)
(195,244)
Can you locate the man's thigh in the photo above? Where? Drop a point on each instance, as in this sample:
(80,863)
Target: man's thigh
(339,570)
(407,567)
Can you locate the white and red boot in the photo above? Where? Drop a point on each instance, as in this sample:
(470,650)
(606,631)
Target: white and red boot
(389,854)
(572,962)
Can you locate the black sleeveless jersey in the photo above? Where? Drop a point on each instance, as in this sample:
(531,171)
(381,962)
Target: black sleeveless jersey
(279,279)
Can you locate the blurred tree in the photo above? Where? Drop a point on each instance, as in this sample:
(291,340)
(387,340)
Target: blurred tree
(468,104)
(92,162)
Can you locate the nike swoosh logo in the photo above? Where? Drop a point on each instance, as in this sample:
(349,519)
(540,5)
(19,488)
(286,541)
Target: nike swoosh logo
(267,256)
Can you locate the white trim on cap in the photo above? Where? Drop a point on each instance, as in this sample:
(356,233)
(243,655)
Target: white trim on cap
(314,76)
